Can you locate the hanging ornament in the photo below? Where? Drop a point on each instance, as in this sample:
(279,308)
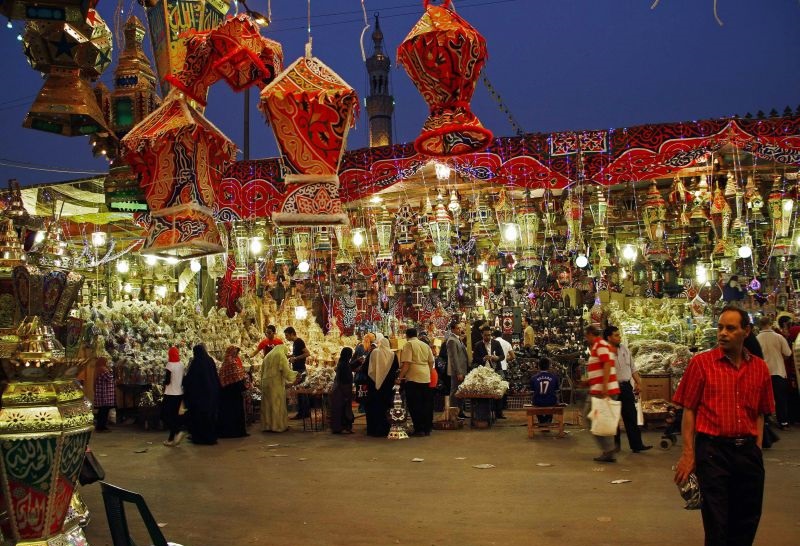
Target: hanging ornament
(679,199)
(781,207)
(598,207)
(720,221)
(752,197)
(444,56)
(343,256)
(573,213)
(654,213)
(549,207)
(701,202)
(311,110)
(405,219)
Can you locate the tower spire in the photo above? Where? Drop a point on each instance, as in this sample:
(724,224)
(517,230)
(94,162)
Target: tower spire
(380,103)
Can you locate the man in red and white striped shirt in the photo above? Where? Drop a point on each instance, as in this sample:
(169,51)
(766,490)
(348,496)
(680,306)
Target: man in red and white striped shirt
(725,394)
(602,372)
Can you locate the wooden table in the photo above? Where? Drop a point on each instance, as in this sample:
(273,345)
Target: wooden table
(556,411)
(474,400)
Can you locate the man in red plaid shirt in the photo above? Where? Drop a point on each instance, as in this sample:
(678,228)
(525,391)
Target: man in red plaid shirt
(725,394)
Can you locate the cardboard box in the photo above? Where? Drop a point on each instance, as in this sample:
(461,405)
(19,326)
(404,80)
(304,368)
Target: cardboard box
(656,386)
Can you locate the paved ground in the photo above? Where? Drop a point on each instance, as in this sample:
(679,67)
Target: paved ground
(316,488)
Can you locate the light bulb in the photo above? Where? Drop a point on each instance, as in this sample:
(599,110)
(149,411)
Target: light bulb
(510,232)
(623,274)
(481,268)
(303,267)
(172,260)
(797,241)
(701,274)
(629,252)
(127,288)
(581,261)
(150,260)
(9,25)
(39,237)
(788,205)
(99,238)
(358,237)
(123,266)
(256,246)
(375,199)
(437,260)
(442,171)
(194,265)
(300,312)
(161,291)
(745,251)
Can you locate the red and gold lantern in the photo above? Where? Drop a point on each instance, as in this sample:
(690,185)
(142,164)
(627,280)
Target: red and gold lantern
(444,55)
(311,110)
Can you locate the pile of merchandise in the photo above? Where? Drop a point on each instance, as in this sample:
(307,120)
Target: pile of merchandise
(319,378)
(482,381)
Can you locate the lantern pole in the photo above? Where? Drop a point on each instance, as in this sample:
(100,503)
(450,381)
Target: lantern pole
(246,146)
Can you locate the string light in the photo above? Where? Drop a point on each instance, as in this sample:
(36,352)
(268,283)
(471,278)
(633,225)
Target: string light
(581,261)
(194,265)
(437,260)
(150,260)
(172,260)
(99,238)
(303,267)
(123,266)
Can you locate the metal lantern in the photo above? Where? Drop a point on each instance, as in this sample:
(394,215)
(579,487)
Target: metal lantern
(281,242)
(322,238)
(654,214)
(781,207)
(383,231)
(510,232)
(720,221)
(404,224)
(343,256)
(529,224)
(752,197)
(701,201)
(679,199)
(301,240)
(241,241)
(549,207)
(440,229)
(573,213)
(599,210)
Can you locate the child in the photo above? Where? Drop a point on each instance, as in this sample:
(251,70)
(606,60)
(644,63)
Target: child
(544,386)
(104,393)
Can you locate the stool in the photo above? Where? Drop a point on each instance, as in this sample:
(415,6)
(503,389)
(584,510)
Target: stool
(556,411)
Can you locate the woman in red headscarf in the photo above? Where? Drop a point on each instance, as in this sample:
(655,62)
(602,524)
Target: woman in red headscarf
(232,377)
(173,396)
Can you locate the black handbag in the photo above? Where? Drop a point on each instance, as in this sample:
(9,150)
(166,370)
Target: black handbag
(91,470)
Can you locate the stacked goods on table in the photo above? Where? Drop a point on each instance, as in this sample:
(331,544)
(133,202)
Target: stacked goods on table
(482,382)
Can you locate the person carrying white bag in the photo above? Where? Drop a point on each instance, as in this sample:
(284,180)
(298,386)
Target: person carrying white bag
(602,407)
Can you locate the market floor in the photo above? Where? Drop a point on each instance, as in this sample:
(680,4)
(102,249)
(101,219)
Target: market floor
(317,488)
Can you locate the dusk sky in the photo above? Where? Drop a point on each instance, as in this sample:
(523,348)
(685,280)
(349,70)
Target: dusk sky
(558,64)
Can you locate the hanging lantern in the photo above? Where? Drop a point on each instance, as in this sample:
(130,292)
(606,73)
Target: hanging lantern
(417,298)
(440,229)
(404,224)
(343,256)
(654,214)
(549,206)
(383,231)
(781,207)
(311,110)
(179,156)
(11,251)
(720,221)
(529,226)
(510,231)
(573,213)
(444,56)
(701,201)
(281,242)
(61,10)
(752,197)
(69,54)
(301,240)
(679,199)
(241,247)
(169,20)
(598,207)
(322,238)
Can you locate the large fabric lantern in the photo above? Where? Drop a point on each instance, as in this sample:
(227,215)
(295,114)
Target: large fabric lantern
(69,54)
(179,156)
(311,110)
(444,56)
(169,20)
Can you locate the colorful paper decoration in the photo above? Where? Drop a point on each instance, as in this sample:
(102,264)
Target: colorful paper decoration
(169,20)
(444,55)
(311,110)
(69,54)
(179,156)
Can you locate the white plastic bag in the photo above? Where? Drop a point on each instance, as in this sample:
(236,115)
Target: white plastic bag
(604,415)
(639,413)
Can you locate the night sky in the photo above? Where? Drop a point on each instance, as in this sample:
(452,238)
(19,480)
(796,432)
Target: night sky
(558,64)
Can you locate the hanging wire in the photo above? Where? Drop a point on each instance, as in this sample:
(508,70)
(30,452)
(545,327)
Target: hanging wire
(716,15)
(364,31)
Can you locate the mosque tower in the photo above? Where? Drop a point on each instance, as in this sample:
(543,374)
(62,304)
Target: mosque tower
(380,103)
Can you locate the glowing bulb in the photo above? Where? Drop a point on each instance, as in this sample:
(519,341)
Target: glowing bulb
(300,312)
(127,288)
(745,251)
(788,205)
(797,241)
(161,291)
(358,237)
(437,260)
(629,252)
(123,266)
(194,265)
(701,274)
(303,267)
(172,260)
(99,238)
(256,246)
(581,261)
(510,232)
(481,268)
(39,237)
(375,199)
(623,274)
(9,25)
(442,171)
(150,260)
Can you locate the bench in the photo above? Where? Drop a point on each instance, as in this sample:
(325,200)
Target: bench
(558,419)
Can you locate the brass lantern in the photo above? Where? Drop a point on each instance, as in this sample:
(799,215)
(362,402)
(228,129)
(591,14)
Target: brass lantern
(654,213)
(781,207)
(573,213)
(440,228)
(383,232)
(281,242)
(599,209)
(343,256)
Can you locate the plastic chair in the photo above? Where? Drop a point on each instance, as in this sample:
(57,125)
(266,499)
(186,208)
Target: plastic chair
(114,499)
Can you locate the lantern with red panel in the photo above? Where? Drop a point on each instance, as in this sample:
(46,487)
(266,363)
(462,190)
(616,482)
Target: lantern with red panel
(444,56)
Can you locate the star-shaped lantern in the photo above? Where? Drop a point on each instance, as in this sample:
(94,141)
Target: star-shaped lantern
(444,56)
(311,110)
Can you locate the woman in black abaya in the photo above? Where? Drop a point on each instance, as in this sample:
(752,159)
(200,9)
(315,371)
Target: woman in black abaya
(201,395)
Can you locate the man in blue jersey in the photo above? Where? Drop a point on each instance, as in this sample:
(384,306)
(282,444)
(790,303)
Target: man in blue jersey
(544,386)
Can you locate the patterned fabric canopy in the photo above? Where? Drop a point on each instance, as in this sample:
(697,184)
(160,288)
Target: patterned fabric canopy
(444,56)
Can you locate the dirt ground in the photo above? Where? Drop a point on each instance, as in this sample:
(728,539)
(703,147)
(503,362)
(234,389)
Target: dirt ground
(304,488)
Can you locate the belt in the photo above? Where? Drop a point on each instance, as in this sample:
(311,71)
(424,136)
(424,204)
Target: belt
(735,441)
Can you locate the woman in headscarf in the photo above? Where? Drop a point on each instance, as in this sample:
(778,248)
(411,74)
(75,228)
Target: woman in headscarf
(358,365)
(173,396)
(232,377)
(342,395)
(382,370)
(201,395)
(276,373)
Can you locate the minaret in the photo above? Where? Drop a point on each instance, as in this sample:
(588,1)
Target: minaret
(380,103)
